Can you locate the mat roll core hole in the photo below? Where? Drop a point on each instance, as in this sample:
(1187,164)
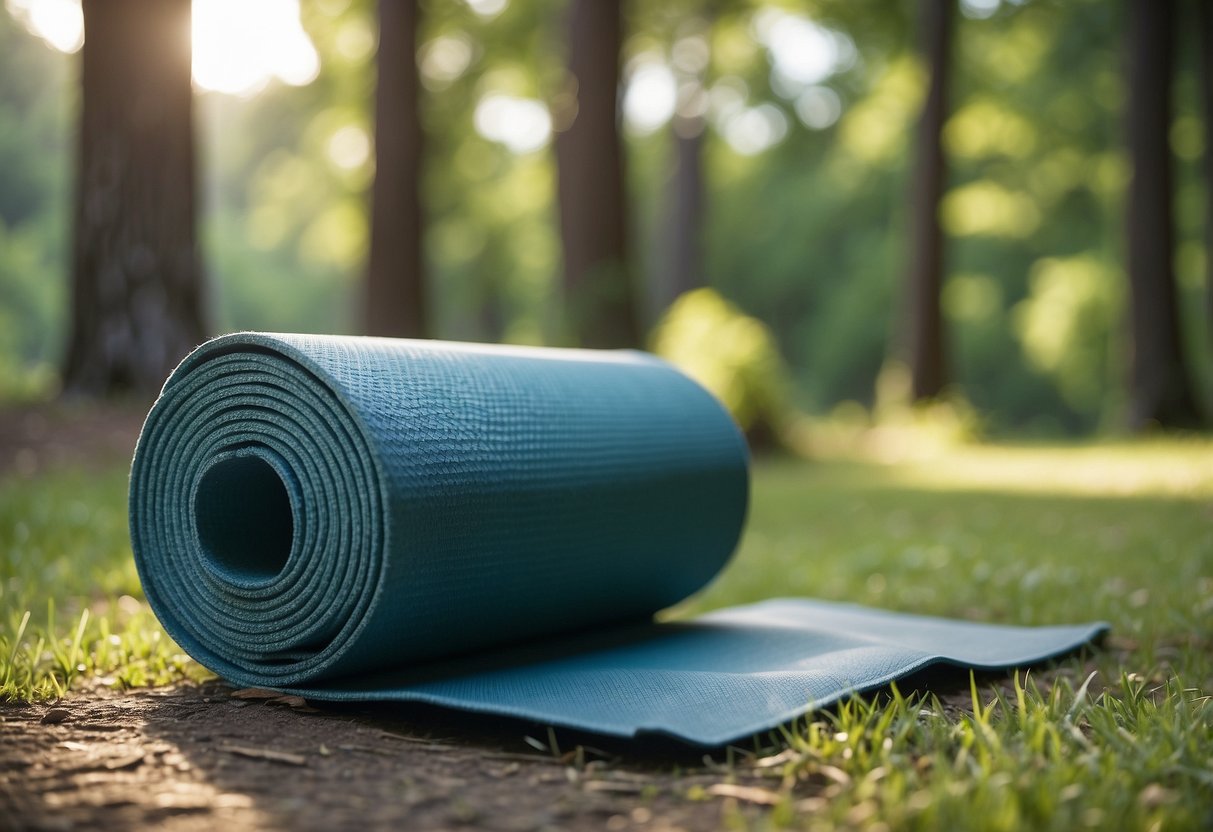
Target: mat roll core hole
(244,518)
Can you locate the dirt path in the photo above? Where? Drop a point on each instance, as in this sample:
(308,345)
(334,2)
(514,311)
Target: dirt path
(196,757)
(36,437)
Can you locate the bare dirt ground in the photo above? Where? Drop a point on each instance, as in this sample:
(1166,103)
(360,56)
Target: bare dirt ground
(36,437)
(197,757)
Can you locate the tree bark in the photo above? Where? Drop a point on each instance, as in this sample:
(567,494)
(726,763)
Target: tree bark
(600,303)
(1159,392)
(1204,22)
(684,266)
(137,304)
(395,296)
(922,347)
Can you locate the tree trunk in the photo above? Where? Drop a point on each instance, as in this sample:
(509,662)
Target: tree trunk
(1204,22)
(684,258)
(137,281)
(599,298)
(395,297)
(1159,393)
(922,344)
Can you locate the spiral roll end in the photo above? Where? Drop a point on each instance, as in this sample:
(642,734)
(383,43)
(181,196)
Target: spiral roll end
(256,514)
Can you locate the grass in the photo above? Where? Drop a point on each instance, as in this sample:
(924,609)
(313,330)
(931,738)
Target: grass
(1122,737)
(71,609)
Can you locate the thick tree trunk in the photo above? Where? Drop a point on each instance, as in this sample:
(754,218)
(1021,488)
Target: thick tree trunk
(922,345)
(137,282)
(395,297)
(600,302)
(684,258)
(1159,393)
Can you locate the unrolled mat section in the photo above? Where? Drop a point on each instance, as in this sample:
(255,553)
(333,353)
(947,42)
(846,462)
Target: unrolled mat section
(489,528)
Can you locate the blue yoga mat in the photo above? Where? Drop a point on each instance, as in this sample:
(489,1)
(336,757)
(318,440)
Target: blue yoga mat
(492,529)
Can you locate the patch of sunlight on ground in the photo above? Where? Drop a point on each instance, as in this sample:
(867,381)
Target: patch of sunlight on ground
(1158,467)
(935,447)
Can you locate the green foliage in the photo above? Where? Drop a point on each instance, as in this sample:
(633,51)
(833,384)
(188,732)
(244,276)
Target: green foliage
(806,236)
(285,210)
(71,607)
(1063,324)
(36,96)
(732,355)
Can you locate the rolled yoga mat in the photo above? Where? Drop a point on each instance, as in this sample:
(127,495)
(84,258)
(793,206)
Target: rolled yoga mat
(490,528)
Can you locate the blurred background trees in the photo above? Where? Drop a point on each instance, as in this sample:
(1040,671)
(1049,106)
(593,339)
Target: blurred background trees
(761,149)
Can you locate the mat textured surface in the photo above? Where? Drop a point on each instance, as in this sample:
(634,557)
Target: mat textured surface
(489,528)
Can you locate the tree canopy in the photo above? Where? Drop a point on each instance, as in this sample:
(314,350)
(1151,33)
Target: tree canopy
(808,114)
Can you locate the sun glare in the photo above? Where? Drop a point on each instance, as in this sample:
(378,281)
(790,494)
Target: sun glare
(58,22)
(239,46)
(651,94)
(521,124)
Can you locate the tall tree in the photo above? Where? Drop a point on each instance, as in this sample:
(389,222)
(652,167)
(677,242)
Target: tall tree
(683,266)
(1159,391)
(395,296)
(922,340)
(684,255)
(600,299)
(1204,24)
(137,281)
